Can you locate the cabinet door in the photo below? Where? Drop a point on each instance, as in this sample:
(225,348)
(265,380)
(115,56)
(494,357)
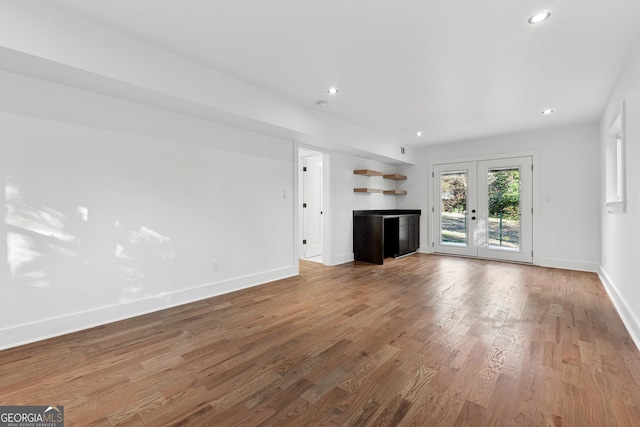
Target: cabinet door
(368,239)
(403,235)
(414,232)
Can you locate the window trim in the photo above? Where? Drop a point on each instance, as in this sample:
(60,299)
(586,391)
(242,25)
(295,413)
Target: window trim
(615,164)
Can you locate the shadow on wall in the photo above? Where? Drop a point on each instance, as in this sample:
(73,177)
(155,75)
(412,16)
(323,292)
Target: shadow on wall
(48,248)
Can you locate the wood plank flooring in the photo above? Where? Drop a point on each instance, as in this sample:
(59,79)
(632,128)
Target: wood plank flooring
(420,341)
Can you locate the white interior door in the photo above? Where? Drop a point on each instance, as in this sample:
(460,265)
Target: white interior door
(484,209)
(312,206)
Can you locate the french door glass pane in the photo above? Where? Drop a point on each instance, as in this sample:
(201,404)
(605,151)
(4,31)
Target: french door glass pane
(453,207)
(504,208)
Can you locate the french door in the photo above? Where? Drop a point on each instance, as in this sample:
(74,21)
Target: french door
(484,209)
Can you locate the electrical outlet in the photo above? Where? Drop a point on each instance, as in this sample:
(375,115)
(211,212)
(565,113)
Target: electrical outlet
(216,266)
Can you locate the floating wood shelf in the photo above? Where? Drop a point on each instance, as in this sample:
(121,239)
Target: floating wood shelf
(395,177)
(367,172)
(367,190)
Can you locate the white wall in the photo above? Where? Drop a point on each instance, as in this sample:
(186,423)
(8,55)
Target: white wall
(567,208)
(620,231)
(103,223)
(344,201)
(164,196)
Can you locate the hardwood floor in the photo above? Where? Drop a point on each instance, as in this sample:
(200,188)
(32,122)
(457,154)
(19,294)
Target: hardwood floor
(420,341)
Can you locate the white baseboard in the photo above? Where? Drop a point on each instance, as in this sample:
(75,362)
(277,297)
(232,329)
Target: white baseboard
(569,264)
(626,314)
(340,259)
(565,264)
(27,333)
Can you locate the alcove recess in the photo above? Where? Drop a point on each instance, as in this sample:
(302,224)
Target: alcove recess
(392,176)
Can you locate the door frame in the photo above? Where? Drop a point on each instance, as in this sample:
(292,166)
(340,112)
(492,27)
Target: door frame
(535,200)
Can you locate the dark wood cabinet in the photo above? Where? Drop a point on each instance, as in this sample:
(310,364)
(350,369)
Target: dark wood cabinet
(380,234)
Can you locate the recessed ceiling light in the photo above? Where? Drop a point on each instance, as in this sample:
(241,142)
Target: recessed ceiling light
(539,17)
(419,133)
(549,111)
(321,104)
(332,90)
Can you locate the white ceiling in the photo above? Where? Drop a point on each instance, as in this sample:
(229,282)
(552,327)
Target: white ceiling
(455,69)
